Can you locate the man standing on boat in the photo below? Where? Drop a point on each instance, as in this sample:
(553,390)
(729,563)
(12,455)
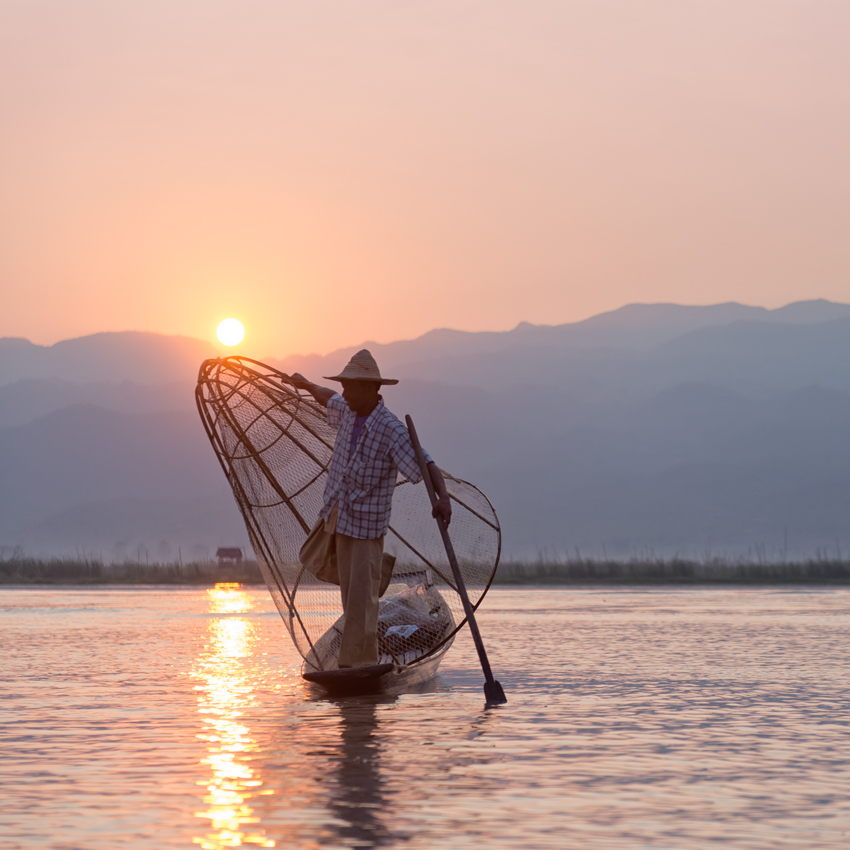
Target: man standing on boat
(372,446)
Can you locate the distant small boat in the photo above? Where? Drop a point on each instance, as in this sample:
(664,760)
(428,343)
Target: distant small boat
(275,447)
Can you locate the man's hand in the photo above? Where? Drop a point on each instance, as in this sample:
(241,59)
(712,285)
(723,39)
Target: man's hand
(443,508)
(443,505)
(321,394)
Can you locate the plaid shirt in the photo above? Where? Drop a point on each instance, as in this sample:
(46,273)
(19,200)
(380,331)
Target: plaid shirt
(363,480)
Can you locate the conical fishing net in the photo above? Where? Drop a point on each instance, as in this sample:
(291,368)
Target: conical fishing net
(275,447)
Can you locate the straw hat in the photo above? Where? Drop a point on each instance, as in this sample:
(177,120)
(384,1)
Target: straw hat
(361,367)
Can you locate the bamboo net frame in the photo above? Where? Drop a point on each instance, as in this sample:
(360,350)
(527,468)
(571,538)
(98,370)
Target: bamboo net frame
(275,447)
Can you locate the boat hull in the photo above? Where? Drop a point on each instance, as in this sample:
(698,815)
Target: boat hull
(375,679)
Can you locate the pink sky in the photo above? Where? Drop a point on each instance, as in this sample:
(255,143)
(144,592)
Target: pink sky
(335,172)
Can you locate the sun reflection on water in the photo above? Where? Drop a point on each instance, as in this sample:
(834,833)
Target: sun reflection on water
(228,685)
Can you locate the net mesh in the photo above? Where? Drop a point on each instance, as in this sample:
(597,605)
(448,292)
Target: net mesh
(275,447)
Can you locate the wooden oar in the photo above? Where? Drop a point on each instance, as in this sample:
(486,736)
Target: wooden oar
(493,692)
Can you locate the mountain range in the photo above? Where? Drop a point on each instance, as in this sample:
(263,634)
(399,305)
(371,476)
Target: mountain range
(653,429)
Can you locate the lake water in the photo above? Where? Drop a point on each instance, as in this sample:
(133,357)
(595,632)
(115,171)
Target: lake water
(664,718)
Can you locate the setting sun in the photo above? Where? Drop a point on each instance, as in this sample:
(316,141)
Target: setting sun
(230,332)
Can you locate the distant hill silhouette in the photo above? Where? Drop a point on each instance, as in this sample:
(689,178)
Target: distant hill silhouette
(635,327)
(88,478)
(32,398)
(143,358)
(651,428)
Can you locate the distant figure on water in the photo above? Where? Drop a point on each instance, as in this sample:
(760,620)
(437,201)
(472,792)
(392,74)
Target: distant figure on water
(371,447)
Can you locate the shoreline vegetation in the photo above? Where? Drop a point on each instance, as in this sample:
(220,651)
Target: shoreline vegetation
(577,571)
(91,571)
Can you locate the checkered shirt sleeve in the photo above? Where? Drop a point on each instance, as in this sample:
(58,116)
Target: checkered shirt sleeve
(362,481)
(337,408)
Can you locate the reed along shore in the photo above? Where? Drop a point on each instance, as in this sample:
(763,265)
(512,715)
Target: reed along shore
(579,571)
(586,571)
(73,571)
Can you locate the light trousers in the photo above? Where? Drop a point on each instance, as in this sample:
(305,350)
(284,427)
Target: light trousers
(359,563)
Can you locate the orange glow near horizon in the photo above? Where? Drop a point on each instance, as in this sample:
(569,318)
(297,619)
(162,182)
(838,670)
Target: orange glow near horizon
(226,690)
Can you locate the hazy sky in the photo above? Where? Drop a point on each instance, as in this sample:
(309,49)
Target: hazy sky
(332,172)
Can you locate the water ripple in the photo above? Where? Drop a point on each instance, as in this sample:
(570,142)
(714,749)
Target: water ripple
(176,717)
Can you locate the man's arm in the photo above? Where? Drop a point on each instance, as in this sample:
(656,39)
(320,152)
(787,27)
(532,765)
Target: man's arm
(443,507)
(321,394)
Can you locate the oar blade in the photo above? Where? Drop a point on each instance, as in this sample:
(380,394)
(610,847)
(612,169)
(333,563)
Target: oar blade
(493,693)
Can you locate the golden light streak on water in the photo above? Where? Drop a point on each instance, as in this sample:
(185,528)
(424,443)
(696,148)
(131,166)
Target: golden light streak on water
(227,690)
(229,598)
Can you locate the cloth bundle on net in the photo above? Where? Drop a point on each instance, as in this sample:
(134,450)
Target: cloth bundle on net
(275,446)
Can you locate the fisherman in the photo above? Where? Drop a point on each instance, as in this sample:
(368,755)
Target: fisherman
(371,447)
